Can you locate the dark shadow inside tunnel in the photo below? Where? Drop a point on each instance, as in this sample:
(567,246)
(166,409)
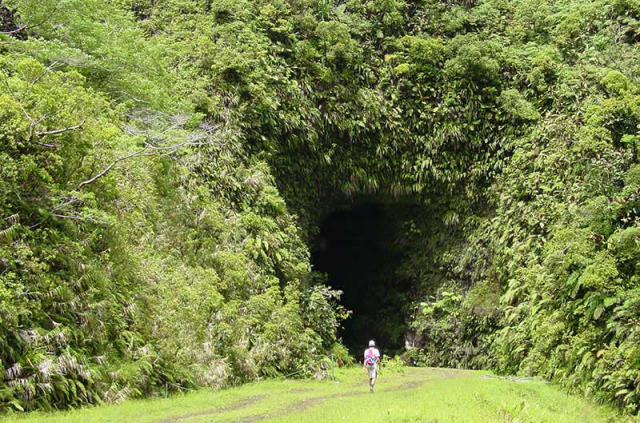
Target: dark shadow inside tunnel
(357,249)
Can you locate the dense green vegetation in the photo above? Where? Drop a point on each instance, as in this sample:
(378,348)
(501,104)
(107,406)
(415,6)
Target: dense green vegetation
(155,154)
(179,267)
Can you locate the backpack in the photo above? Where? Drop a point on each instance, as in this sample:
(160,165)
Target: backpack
(370,358)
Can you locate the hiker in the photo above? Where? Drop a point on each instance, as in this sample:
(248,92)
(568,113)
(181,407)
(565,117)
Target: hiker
(371,362)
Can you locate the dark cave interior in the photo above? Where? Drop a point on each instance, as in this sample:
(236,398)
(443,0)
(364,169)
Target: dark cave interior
(358,249)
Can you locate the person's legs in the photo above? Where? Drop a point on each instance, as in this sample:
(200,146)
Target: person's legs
(372,377)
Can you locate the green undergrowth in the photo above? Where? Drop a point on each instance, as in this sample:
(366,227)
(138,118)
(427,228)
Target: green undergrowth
(402,395)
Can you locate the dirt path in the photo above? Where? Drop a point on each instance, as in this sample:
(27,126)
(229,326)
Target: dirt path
(310,402)
(236,406)
(399,382)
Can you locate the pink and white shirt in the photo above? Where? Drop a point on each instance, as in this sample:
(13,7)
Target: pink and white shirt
(371,352)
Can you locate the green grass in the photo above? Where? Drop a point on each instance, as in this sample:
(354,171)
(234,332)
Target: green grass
(410,396)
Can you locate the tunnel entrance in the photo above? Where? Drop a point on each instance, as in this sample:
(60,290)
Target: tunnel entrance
(358,250)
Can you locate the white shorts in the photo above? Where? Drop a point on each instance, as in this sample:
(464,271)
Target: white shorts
(373,372)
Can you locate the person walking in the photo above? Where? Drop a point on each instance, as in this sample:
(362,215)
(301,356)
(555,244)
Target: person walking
(371,362)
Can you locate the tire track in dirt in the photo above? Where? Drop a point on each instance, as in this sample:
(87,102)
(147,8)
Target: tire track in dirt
(304,404)
(236,406)
(412,383)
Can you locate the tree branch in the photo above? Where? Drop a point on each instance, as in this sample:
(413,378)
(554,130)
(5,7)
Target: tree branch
(157,128)
(139,153)
(45,145)
(43,118)
(28,116)
(14,31)
(23,27)
(60,131)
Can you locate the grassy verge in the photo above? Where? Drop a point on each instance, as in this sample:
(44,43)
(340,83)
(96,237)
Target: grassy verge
(409,396)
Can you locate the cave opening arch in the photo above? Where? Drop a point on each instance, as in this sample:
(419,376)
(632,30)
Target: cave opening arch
(362,249)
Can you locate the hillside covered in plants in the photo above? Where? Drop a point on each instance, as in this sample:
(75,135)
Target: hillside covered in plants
(200,192)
